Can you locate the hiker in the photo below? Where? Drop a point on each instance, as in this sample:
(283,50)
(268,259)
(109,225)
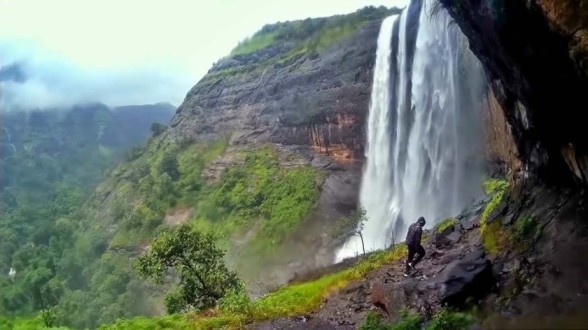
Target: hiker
(413,240)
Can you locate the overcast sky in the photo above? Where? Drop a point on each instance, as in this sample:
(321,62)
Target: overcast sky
(131,51)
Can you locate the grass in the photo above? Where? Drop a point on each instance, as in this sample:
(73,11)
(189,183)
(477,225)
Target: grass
(290,300)
(304,297)
(445,224)
(179,322)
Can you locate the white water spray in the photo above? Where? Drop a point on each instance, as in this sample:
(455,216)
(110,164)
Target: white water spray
(423,129)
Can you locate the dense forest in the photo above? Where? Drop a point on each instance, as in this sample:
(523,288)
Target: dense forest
(51,161)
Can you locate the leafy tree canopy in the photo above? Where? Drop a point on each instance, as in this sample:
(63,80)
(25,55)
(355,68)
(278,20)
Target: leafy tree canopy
(195,258)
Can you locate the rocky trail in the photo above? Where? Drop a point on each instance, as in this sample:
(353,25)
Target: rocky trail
(454,267)
(545,281)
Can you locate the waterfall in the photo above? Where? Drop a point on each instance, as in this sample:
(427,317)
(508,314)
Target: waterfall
(423,151)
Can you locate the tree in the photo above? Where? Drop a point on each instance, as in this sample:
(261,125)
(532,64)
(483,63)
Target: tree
(354,224)
(195,258)
(157,129)
(169,164)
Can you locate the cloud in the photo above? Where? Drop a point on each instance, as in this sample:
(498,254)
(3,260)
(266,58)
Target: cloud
(49,81)
(132,51)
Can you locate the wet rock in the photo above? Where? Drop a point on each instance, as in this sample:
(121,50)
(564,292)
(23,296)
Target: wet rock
(498,211)
(498,267)
(379,297)
(353,287)
(472,211)
(470,276)
(512,266)
(508,219)
(470,223)
(447,238)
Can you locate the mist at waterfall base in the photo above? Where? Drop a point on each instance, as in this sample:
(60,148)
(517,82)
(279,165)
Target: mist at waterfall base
(424,134)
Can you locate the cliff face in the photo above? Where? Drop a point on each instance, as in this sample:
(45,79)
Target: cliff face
(319,100)
(295,93)
(535,54)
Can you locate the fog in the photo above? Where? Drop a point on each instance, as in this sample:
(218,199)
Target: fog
(32,77)
(131,52)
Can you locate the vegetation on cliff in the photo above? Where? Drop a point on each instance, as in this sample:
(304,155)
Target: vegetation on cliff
(311,34)
(282,44)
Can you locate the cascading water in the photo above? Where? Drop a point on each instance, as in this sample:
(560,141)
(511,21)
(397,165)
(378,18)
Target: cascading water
(424,133)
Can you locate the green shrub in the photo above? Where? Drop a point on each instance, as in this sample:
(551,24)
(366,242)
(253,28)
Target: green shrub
(236,302)
(407,321)
(48,318)
(445,224)
(449,320)
(373,321)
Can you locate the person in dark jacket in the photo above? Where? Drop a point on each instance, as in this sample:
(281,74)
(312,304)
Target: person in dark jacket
(413,240)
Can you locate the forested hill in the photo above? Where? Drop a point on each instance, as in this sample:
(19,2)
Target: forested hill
(50,161)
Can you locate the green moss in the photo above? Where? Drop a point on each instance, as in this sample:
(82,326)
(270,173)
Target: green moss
(496,188)
(445,224)
(493,237)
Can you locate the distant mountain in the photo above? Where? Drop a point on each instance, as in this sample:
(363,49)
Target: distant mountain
(131,123)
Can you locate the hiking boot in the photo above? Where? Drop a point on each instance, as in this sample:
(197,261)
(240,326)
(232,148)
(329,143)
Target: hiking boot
(410,265)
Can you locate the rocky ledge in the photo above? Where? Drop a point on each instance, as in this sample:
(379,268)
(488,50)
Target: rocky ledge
(517,278)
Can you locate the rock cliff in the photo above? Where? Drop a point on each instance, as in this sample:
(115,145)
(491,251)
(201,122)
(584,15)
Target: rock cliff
(535,55)
(298,93)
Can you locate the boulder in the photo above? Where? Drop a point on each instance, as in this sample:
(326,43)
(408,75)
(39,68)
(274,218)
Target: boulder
(470,223)
(447,238)
(468,277)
